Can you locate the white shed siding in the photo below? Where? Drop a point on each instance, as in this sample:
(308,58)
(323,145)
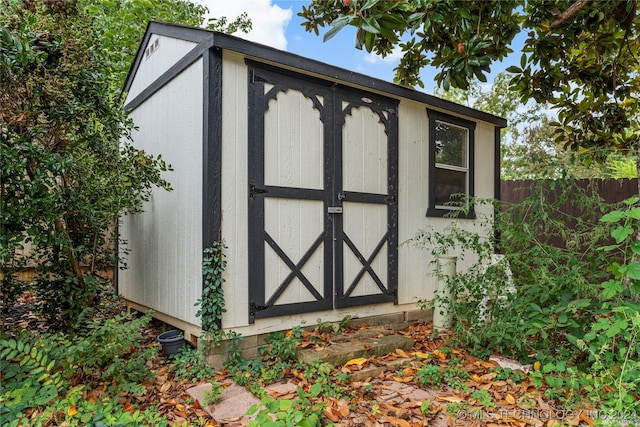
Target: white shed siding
(235,185)
(414,269)
(415,275)
(416,279)
(165,266)
(161,57)
(166,241)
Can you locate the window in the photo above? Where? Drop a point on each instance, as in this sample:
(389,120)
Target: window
(451,164)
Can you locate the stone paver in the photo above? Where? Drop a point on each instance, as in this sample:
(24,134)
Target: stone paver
(235,401)
(232,407)
(378,342)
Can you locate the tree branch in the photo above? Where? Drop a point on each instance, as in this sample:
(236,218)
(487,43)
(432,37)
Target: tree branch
(569,14)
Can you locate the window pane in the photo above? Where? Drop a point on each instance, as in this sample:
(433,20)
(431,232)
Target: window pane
(449,182)
(451,144)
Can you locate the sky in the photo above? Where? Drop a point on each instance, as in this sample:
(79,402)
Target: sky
(275,23)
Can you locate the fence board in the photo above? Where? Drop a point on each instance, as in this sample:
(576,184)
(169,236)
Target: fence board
(610,190)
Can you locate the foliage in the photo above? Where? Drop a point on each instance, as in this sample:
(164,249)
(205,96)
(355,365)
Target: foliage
(528,146)
(322,373)
(429,375)
(120,25)
(212,396)
(104,351)
(74,410)
(333,327)
(622,167)
(581,57)
(557,289)
(297,412)
(69,169)
(189,364)
(613,338)
(27,376)
(279,355)
(566,311)
(212,301)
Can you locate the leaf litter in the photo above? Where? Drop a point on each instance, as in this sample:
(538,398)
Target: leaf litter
(391,396)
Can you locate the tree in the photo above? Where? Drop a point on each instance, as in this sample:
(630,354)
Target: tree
(120,25)
(580,57)
(529,149)
(69,169)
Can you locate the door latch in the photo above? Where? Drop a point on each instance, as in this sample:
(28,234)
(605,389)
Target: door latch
(341,196)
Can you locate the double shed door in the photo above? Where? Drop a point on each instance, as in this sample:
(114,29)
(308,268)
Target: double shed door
(322,195)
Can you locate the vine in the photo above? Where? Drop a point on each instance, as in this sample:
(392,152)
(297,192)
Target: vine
(212,301)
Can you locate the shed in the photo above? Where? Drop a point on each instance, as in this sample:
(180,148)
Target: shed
(312,175)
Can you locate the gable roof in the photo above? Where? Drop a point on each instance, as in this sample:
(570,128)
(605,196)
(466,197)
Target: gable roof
(207,39)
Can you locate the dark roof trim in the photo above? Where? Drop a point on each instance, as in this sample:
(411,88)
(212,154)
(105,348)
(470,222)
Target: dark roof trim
(267,53)
(192,56)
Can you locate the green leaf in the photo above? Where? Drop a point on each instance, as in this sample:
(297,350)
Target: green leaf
(614,216)
(621,233)
(370,25)
(336,26)
(563,318)
(634,213)
(633,270)
(369,4)
(611,288)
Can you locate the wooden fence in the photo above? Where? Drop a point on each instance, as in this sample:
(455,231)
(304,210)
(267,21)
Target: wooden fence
(610,190)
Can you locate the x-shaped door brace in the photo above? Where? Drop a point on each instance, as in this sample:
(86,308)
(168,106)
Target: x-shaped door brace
(366,263)
(296,269)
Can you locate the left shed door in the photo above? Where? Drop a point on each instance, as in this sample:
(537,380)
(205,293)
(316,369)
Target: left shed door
(290,243)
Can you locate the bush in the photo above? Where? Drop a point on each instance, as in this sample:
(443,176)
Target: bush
(38,368)
(575,305)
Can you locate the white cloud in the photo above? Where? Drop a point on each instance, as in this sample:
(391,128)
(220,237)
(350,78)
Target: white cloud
(269,20)
(395,56)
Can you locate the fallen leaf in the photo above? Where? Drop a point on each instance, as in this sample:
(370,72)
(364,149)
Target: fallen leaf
(343,408)
(402,379)
(450,399)
(510,399)
(127,407)
(421,355)
(584,417)
(398,422)
(165,387)
(536,366)
(402,353)
(440,354)
(72,411)
(358,361)
(329,414)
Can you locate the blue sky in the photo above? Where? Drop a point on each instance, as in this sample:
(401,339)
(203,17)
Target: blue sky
(275,23)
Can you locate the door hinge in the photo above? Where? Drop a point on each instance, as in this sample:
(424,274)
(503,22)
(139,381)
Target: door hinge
(254,308)
(253,190)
